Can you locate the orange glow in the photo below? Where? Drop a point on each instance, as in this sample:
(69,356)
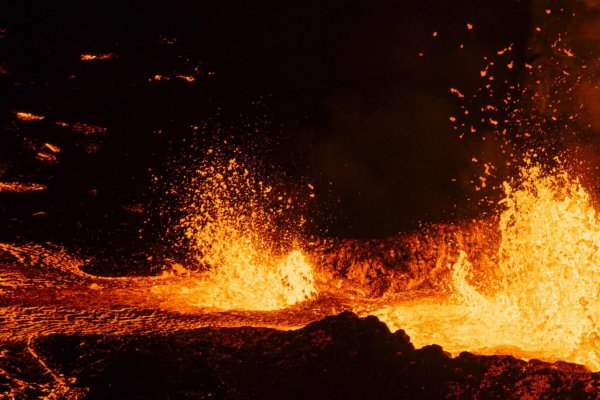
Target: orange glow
(231,228)
(52,147)
(186,78)
(504,50)
(20,187)
(88,129)
(533,297)
(25,116)
(243,283)
(92,57)
(46,157)
(538,299)
(457,92)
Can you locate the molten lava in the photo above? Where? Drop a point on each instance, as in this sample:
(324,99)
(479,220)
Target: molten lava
(535,298)
(231,228)
(539,298)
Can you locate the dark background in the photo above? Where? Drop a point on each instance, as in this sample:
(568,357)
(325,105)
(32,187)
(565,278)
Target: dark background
(334,92)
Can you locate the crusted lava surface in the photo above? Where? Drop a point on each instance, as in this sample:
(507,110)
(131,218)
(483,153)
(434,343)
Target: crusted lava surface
(338,357)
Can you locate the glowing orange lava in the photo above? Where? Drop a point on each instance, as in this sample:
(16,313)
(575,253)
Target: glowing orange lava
(539,298)
(93,57)
(231,229)
(21,187)
(25,116)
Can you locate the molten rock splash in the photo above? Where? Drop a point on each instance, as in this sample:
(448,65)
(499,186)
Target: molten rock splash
(538,298)
(233,225)
(548,264)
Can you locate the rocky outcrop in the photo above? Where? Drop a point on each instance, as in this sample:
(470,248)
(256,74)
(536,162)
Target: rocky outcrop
(339,357)
(418,260)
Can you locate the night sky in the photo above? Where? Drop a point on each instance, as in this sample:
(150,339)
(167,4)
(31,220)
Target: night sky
(333,92)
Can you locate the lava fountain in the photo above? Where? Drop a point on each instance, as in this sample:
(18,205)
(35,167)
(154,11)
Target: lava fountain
(539,297)
(232,229)
(534,298)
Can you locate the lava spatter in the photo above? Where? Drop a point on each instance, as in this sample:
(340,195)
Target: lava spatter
(243,231)
(548,263)
(538,298)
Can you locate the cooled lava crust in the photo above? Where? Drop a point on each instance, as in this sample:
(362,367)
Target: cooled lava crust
(338,357)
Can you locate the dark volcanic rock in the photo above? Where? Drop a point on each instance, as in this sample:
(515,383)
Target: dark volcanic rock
(340,357)
(415,260)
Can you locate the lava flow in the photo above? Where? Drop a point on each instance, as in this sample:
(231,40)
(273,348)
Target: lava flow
(533,297)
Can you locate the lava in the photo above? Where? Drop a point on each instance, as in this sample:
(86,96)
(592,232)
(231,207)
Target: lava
(26,116)
(521,282)
(230,227)
(537,298)
(532,299)
(93,57)
(18,187)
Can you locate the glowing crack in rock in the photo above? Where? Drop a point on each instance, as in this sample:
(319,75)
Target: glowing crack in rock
(18,187)
(94,57)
